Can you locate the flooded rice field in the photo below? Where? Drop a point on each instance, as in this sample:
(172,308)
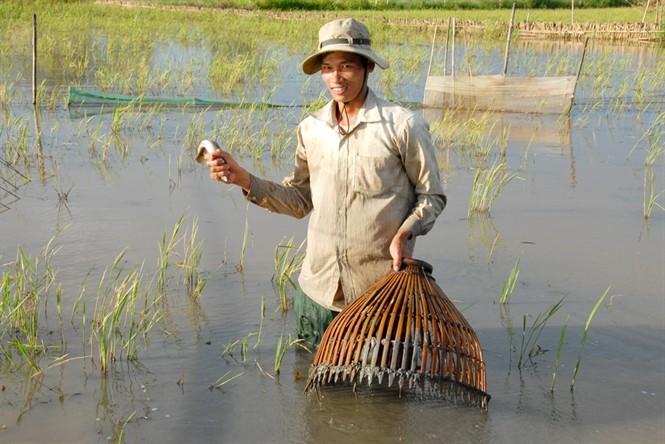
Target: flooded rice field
(107,203)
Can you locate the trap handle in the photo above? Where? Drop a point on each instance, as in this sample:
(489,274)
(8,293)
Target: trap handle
(417,263)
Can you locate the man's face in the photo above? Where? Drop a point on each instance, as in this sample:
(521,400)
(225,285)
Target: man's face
(344,75)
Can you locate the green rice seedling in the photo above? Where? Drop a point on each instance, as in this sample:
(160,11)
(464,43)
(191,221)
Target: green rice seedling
(58,306)
(507,324)
(503,142)
(481,228)
(287,262)
(584,336)
(191,260)
(5,97)
(223,380)
(528,346)
(562,337)
(656,149)
(139,321)
(283,346)
(166,248)
(281,144)
(25,289)
(113,296)
(468,133)
(121,434)
(231,347)
(195,133)
(81,304)
(653,134)
(15,146)
(263,316)
(245,237)
(491,251)
(124,314)
(509,285)
(321,100)
(28,356)
(244,348)
(488,183)
(650,199)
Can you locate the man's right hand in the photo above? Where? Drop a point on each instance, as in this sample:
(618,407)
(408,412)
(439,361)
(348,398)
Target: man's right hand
(224,168)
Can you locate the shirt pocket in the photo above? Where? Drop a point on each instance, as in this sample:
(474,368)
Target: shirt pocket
(376,176)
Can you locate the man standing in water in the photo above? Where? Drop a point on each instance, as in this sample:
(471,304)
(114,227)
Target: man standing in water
(365,169)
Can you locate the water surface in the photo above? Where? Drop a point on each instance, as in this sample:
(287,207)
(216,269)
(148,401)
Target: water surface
(575,217)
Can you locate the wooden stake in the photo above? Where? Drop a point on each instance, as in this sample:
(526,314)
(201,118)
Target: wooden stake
(431,54)
(646,8)
(34,59)
(510,33)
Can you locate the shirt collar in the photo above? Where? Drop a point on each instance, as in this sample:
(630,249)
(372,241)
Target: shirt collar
(369,112)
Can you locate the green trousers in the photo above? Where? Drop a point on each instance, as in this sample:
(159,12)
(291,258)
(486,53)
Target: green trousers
(311,318)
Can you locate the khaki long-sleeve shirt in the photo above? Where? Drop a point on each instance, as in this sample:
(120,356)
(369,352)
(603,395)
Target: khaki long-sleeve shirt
(360,189)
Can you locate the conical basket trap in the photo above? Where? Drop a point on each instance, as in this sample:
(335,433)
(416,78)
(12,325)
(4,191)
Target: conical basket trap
(404,328)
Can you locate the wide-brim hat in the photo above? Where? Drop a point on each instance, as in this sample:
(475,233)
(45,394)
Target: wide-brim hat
(345,35)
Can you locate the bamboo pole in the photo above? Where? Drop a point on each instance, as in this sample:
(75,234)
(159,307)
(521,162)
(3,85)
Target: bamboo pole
(646,8)
(510,33)
(445,54)
(577,76)
(34,59)
(431,54)
(452,52)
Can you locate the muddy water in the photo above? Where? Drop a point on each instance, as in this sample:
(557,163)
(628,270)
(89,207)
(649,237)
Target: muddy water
(575,218)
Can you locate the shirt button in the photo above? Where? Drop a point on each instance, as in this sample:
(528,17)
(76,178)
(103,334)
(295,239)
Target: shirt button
(340,211)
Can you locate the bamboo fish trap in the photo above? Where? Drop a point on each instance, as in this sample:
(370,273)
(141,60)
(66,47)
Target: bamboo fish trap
(405,328)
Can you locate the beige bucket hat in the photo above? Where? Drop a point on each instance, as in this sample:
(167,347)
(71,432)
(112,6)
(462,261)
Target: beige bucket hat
(346,35)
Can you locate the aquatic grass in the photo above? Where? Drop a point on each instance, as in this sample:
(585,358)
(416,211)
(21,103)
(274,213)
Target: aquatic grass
(223,380)
(263,317)
(562,337)
(28,354)
(230,70)
(80,306)
(184,253)
(287,262)
(16,130)
(124,314)
(468,133)
(650,195)
(245,236)
(509,285)
(284,346)
(191,260)
(529,345)
(231,347)
(488,183)
(166,248)
(490,253)
(6,90)
(584,336)
(24,290)
(195,133)
(653,136)
(121,433)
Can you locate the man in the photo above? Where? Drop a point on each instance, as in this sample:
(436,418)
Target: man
(366,171)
